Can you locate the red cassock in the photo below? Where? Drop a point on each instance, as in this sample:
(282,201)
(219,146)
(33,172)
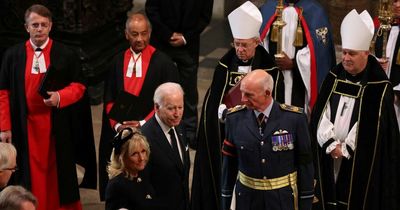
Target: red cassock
(41,144)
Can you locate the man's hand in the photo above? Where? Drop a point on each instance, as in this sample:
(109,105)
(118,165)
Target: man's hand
(53,100)
(337,152)
(284,63)
(176,40)
(5,136)
(384,63)
(132,124)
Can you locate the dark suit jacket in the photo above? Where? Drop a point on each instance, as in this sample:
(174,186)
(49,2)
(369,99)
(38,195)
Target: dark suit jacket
(168,175)
(188,17)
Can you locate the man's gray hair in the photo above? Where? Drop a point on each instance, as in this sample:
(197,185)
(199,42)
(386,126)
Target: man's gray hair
(130,15)
(7,151)
(12,197)
(165,89)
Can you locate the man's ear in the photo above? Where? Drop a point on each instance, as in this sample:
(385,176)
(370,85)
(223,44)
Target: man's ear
(26,27)
(156,106)
(267,92)
(126,35)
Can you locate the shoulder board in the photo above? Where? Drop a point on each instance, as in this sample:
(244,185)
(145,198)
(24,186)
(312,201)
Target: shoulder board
(291,108)
(236,109)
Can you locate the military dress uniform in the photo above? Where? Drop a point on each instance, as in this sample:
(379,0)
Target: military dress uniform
(272,167)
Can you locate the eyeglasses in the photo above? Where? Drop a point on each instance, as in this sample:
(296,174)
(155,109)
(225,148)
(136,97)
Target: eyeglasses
(14,169)
(243,45)
(37,25)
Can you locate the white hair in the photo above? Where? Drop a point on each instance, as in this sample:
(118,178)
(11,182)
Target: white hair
(165,89)
(7,151)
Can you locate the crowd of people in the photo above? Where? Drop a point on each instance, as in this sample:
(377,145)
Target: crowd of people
(282,126)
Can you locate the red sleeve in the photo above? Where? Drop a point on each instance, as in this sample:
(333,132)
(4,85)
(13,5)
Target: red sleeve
(71,94)
(147,118)
(109,105)
(5,119)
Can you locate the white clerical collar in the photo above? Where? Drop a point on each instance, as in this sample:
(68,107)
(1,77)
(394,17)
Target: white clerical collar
(41,47)
(135,55)
(135,64)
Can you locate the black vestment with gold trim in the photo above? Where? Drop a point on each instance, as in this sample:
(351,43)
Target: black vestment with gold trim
(369,179)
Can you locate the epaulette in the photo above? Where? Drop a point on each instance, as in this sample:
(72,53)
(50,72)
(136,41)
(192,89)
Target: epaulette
(291,108)
(236,109)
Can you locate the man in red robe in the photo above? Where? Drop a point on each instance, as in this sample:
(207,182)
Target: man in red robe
(44,130)
(138,70)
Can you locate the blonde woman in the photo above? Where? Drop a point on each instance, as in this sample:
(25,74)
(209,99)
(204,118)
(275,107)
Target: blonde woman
(8,163)
(129,187)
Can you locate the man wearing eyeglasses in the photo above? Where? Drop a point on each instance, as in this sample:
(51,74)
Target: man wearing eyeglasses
(43,129)
(246,55)
(8,163)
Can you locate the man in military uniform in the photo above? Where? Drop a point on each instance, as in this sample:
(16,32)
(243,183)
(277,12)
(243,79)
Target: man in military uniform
(268,148)
(245,55)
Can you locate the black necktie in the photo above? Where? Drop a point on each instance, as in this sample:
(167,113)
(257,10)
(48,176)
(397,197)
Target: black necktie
(261,123)
(38,49)
(174,143)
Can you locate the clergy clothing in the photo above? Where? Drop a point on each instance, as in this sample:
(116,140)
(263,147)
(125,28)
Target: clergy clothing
(312,59)
(156,68)
(392,54)
(207,165)
(46,137)
(367,176)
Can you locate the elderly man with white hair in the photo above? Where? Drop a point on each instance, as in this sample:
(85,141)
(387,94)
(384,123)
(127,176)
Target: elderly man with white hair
(169,162)
(355,129)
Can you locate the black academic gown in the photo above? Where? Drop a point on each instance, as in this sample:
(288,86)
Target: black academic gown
(370,180)
(71,126)
(207,166)
(160,70)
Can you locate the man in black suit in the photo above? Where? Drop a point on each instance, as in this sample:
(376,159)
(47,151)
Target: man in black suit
(169,162)
(177,25)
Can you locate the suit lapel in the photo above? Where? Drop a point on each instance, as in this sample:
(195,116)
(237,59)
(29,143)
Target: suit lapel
(184,147)
(164,144)
(251,123)
(182,162)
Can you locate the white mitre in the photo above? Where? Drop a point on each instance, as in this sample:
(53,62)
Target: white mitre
(357,31)
(245,21)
